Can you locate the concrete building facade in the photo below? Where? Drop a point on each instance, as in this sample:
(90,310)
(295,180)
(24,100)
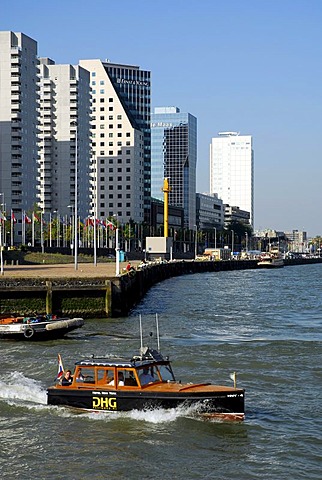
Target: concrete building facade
(65,105)
(232,170)
(210,212)
(121,156)
(18,122)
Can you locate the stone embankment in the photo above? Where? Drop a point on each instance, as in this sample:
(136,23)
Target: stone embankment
(95,292)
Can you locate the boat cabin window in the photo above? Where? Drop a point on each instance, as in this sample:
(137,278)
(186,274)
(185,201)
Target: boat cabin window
(105,376)
(166,373)
(84,375)
(130,378)
(147,374)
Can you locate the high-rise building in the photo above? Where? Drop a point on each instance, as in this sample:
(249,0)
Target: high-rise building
(18,121)
(232,170)
(65,104)
(121,156)
(174,156)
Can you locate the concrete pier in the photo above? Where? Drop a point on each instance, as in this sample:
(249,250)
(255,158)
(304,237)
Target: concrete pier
(95,291)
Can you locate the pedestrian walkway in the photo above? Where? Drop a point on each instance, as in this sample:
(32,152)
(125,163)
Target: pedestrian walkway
(84,270)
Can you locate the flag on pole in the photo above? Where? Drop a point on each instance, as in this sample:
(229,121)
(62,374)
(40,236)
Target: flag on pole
(60,368)
(13,218)
(2,217)
(36,218)
(233,378)
(111,225)
(27,219)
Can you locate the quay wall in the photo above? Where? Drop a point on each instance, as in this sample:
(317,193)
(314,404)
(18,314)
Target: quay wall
(102,297)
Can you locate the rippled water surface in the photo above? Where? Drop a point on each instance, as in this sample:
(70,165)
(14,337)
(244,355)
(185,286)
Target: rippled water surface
(265,325)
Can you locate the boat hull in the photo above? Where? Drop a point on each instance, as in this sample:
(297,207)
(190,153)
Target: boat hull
(223,404)
(40,331)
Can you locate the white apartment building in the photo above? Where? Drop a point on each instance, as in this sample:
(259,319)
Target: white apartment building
(65,105)
(18,122)
(121,158)
(232,170)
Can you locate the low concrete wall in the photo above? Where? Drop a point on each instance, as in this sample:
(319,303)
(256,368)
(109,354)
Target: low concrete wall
(103,297)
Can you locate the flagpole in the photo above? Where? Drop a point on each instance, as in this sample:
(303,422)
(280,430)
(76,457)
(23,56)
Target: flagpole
(23,223)
(95,246)
(42,234)
(33,230)
(50,244)
(1,246)
(11,239)
(76,193)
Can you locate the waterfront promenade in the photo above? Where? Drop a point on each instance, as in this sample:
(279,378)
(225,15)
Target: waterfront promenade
(85,270)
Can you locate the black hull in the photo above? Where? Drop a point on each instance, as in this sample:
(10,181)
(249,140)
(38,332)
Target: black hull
(218,403)
(40,331)
(38,335)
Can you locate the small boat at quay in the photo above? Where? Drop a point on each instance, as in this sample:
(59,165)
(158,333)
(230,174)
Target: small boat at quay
(39,327)
(143,382)
(271,259)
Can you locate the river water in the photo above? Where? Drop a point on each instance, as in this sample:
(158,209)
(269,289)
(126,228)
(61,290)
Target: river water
(264,324)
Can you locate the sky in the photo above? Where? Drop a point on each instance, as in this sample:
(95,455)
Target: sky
(250,66)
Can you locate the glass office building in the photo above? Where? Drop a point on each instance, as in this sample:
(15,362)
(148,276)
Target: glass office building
(174,156)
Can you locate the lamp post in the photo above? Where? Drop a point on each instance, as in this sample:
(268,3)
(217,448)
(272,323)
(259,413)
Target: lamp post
(215,237)
(117,249)
(42,233)
(196,241)
(232,242)
(72,223)
(76,199)
(246,241)
(1,244)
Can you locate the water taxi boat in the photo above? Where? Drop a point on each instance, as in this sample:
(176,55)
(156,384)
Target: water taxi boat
(39,327)
(144,382)
(271,259)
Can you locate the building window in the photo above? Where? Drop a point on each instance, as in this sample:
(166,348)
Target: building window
(110,99)
(93,74)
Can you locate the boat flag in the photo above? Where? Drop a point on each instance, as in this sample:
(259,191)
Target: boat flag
(234,378)
(60,368)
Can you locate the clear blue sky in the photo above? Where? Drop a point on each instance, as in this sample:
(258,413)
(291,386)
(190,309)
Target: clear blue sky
(252,66)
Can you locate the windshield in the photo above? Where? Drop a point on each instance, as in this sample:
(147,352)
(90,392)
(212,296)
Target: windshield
(166,373)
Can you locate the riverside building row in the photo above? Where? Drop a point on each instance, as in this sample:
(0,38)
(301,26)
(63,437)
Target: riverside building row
(85,131)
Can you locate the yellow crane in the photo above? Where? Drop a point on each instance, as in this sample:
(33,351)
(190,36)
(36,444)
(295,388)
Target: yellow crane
(166,190)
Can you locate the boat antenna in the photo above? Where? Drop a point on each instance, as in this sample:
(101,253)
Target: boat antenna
(157,325)
(141,333)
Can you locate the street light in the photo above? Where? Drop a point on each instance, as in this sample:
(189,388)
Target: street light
(196,241)
(246,237)
(215,237)
(232,242)
(76,195)
(117,249)
(1,244)
(73,226)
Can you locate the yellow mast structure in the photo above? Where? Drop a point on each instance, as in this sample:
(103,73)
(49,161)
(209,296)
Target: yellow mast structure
(166,190)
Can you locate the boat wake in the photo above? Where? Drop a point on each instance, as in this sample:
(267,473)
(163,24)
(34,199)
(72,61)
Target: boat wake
(17,389)
(20,391)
